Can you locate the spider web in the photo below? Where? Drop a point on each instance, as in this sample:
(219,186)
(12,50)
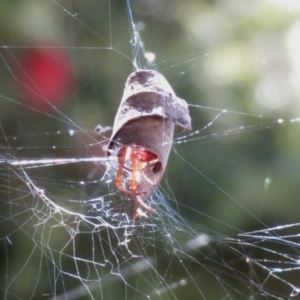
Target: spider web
(227,222)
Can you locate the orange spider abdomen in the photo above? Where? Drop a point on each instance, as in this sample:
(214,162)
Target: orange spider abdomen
(138,170)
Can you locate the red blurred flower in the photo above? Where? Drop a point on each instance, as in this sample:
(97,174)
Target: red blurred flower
(44,77)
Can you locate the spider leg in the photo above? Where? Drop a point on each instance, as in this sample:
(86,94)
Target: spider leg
(121,155)
(136,205)
(133,166)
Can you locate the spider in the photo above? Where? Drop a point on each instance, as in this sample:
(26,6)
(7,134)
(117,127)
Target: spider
(143,134)
(138,173)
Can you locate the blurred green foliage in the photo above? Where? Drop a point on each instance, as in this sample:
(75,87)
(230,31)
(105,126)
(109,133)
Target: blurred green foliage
(239,174)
